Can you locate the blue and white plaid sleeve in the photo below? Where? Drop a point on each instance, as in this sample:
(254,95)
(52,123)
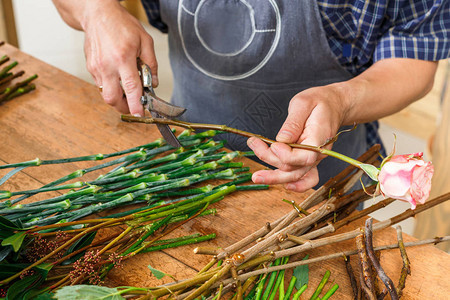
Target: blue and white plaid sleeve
(418,29)
(152,10)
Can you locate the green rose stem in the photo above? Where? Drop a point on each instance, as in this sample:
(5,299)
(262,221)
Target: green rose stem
(5,94)
(20,91)
(4,58)
(290,288)
(321,285)
(181,242)
(330,292)
(370,170)
(6,69)
(299,292)
(280,278)
(10,77)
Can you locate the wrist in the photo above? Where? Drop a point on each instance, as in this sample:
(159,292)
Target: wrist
(92,11)
(350,93)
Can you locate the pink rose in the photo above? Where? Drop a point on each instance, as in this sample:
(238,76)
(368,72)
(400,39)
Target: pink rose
(406,177)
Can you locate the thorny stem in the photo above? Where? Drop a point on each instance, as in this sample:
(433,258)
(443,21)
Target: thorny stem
(406,269)
(365,267)
(351,276)
(370,252)
(193,126)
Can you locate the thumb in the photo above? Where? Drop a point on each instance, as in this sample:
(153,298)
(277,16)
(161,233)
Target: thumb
(294,124)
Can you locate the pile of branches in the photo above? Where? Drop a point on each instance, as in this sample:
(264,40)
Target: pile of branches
(8,89)
(311,224)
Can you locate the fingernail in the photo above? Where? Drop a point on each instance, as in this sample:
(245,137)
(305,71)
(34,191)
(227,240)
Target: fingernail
(258,179)
(250,142)
(290,186)
(284,136)
(137,115)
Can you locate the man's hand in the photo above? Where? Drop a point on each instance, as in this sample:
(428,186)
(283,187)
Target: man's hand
(114,39)
(314,116)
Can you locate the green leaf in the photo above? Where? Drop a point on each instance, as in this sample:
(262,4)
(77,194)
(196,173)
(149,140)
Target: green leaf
(15,240)
(157,273)
(302,274)
(45,296)
(4,252)
(7,270)
(83,242)
(37,293)
(371,171)
(6,224)
(21,287)
(43,269)
(87,292)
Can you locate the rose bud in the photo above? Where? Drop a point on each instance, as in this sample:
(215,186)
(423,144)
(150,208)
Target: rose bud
(406,177)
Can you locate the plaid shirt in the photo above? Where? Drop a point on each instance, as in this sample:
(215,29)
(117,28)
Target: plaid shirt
(361,32)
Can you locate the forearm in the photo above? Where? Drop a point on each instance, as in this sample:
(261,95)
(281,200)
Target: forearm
(385,88)
(77,12)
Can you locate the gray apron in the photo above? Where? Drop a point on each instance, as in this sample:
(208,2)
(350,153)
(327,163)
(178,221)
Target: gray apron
(239,63)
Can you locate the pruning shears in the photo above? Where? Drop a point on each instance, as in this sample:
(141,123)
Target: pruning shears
(157,107)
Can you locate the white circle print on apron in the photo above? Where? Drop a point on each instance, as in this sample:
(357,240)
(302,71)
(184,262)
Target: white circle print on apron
(229,40)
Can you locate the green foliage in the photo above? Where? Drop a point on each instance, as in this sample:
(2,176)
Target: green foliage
(87,292)
(20,288)
(7,270)
(15,240)
(157,273)
(8,225)
(43,269)
(83,242)
(371,171)
(4,252)
(302,274)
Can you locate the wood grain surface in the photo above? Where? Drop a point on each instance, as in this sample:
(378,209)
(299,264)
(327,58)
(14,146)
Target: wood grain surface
(66,117)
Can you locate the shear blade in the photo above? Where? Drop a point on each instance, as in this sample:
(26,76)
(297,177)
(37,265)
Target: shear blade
(166,132)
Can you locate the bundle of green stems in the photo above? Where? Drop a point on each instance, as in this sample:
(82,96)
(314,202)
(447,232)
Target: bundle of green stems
(8,90)
(157,189)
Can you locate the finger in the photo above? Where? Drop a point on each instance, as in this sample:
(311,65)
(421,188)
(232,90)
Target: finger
(113,95)
(308,181)
(90,63)
(263,152)
(148,56)
(278,176)
(292,127)
(132,86)
(293,158)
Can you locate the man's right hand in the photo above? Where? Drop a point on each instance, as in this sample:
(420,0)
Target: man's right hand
(113,42)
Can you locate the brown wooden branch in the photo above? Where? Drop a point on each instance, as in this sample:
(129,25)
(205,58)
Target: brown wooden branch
(331,256)
(365,267)
(10,77)
(351,276)
(370,252)
(406,268)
